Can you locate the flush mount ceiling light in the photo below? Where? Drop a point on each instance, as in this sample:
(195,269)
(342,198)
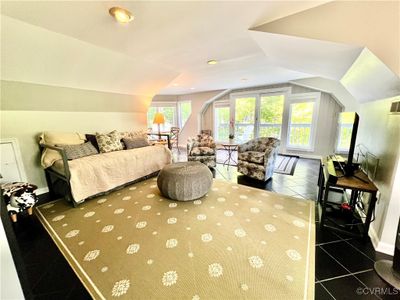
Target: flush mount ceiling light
(212,62)
(122,15)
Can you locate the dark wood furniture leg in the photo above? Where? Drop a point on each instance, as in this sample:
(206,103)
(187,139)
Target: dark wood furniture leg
(371,208)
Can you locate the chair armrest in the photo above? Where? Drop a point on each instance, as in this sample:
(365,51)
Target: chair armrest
(63,156)
(270,152)
(244,147)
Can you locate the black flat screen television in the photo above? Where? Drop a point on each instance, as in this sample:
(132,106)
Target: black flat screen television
(349,121)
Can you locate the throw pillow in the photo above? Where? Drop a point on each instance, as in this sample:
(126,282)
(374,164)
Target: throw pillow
(78,151)
(109,142)
(133,143)
(92,138)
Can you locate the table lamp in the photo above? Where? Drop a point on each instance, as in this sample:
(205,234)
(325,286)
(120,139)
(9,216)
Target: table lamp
(159,119)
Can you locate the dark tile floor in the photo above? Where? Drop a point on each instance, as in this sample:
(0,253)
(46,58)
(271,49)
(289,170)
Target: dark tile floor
(343,266)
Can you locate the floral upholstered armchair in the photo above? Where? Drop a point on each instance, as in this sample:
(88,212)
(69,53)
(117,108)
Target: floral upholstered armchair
(202,148)
(256,158)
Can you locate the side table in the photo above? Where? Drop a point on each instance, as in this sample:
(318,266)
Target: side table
(230,148)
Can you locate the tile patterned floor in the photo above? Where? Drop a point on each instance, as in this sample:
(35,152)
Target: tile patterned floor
(344,266)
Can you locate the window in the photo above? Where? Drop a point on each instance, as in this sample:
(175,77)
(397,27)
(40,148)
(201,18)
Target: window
(244,118)
(346,121)
(302,120)
(169,115)
(271,111)
(221,121)
(185,110)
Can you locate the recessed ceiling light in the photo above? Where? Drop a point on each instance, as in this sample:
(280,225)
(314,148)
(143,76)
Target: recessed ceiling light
(212,62)
(175,84)
(192,88)
(122,15)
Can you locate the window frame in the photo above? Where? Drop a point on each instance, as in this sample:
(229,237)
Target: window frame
(314,97)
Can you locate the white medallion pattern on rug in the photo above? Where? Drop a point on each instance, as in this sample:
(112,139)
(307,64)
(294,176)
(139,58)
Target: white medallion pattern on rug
(91,255)
(270,227)
(171,243)
(120,287)
(172,221)
(132,248)
(293,254)
(256,262)
(58,218)
(141,224)
(169,278)
(228,213)
(72,233)
(240,232)
(118,211)
(206,237)
(215,270)
(299,223)
(107,228)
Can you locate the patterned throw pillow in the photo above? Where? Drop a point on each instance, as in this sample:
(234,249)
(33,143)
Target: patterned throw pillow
(133,143)
(109,142)
(78,151)
(134,134)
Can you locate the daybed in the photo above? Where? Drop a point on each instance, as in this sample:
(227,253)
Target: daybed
(77,177)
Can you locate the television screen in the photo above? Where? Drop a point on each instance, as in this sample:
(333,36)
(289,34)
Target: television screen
(348,126)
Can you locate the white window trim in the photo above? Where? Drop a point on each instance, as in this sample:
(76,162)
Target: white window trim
(301,98)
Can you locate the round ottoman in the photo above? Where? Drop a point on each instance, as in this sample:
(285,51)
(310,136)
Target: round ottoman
(185,181)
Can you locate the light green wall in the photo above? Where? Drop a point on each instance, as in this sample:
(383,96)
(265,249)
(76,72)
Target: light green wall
(29,109)
(379,132)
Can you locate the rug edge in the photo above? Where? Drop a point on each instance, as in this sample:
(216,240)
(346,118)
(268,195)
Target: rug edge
(90,287)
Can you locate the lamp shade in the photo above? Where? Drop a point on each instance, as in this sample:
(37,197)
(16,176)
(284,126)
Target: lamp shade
(159,118)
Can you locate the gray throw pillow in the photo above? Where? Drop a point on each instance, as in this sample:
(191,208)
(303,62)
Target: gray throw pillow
(133,143)
(78,151)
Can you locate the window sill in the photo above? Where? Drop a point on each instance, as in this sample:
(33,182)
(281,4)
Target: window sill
(300,149)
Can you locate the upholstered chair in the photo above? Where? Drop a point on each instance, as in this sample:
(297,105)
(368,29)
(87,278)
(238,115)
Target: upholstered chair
(256,158)
(202,148)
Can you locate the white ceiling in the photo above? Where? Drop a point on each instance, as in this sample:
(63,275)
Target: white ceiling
(77,44)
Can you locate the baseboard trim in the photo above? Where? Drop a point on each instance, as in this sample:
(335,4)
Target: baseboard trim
(42,190)
(380,246)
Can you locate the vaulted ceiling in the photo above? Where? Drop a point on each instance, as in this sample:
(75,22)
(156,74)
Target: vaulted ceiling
(165,49)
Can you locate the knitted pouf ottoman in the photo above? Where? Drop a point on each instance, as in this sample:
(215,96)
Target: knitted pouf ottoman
(185,181)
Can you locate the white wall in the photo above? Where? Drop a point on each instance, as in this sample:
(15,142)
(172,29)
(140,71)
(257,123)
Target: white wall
(193,124)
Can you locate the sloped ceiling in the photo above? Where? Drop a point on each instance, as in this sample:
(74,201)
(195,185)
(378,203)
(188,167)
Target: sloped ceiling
(364,56)
(164,50)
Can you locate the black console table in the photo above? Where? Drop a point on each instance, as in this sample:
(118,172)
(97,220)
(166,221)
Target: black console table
(357,183)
